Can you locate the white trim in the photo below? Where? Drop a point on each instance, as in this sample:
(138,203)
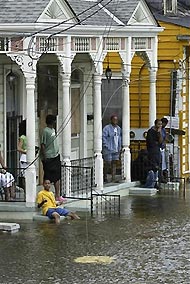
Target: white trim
(5,73)
(111,15)
(63,8)
(26,28)
(146,12)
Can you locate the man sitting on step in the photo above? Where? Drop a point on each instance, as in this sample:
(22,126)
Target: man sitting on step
(46,200)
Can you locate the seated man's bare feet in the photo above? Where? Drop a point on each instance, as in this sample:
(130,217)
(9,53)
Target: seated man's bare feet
(73,216)
(57,217)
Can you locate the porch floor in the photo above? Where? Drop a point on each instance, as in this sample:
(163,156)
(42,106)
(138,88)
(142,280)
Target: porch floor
(19,211)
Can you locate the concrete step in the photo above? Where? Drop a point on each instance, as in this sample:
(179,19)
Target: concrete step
(10,227)
(142,191)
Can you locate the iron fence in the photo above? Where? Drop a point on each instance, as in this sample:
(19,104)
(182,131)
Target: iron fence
(140,165)
(103,204)
(85,162)
(76,181)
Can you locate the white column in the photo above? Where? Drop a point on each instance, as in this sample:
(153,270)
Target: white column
(152,96)
(126,155)
(152,78)
(66,118)
(30,133)
(98,131)
(66,129)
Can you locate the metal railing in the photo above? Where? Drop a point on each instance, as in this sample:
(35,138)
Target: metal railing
(85,162)
(77,183)
(140,165)
(103,204)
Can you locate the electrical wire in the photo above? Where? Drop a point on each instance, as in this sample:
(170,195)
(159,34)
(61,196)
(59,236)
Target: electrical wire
(65,30)
(67,119)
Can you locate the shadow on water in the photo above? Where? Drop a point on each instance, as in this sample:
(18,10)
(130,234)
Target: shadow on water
(150,243)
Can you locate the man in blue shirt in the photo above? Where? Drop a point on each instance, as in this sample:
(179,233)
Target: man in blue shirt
(111,140)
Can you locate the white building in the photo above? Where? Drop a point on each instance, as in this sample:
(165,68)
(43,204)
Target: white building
(56,50)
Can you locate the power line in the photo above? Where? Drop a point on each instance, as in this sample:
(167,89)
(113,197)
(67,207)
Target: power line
(69,116)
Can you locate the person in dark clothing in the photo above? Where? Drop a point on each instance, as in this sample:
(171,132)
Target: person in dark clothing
(154,141)
(164,170)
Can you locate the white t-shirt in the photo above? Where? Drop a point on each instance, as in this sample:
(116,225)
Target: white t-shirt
(116,138)
(6,180)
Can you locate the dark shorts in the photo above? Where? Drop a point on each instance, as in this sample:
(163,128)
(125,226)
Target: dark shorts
(111,157)
(60,211)
(154,159)
(52,169)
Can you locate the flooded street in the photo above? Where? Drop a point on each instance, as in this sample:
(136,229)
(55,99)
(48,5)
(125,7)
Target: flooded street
(149,242)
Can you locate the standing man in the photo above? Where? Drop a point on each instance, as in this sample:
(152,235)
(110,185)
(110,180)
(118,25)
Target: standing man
(111,140)
(50,154)
(153,142)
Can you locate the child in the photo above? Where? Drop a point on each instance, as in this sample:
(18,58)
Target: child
(7,183)
(46,200)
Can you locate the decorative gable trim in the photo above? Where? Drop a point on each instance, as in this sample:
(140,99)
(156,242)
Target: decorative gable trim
(57,11)
(142,16)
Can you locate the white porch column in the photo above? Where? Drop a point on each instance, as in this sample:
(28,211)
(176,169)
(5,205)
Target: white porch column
(66,118)
(98,131)
(152,96)
(28,67)
(66,131)
(152,77)
(65,128)
(30,133)
(126,155)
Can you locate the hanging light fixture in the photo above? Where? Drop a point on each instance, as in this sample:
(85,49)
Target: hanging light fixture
(108,71)
(11,77)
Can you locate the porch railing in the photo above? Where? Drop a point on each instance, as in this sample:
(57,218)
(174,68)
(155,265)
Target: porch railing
(86,162)
(77,183)
(104,204)
(140,166)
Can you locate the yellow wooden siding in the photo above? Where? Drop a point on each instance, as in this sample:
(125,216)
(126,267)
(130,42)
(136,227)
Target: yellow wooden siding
(170,51)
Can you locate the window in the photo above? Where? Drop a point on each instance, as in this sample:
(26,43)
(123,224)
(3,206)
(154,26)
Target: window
(170,7)
(111,100)
(4,44)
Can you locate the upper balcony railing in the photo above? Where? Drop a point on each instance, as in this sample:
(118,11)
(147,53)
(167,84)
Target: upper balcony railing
(44,44)
(14,44)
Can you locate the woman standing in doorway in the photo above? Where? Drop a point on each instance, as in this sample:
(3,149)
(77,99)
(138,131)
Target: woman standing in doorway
(22,149)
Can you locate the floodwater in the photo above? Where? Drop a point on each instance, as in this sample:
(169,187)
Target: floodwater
(149,242)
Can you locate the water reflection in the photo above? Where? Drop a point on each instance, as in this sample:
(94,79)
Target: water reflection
(150,243)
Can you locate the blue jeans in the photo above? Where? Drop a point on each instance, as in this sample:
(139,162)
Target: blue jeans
(60,211)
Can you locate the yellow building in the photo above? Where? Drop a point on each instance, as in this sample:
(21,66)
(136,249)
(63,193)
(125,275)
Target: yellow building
(172,82)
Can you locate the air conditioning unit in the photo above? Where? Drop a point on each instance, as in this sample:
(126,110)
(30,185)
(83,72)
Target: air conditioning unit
(138,133)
